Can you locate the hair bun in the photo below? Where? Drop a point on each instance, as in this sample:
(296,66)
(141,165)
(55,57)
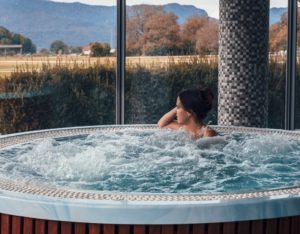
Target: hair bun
(207,95)
(199,100)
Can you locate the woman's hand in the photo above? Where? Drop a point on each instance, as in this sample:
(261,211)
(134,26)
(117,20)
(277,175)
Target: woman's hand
(167,118)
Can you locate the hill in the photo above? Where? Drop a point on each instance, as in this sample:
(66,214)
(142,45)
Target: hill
(46,21)
(77,24)
(276,13)
(74,23)
(184,11)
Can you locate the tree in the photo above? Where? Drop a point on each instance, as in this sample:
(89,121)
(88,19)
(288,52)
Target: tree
(208,38)
(99,49)
(44,52)
(28,46)
(16,38)
(137,17)
(161,35)
(10,38)
(4,33)
(189,32)
(59,47)
(5,41)
(152,31)
(278,34)
(199,34)
(75,49)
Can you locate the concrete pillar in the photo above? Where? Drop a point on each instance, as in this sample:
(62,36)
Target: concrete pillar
(243,62)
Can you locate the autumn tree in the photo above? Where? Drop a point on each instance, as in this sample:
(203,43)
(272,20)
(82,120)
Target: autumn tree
(278,35)
(161,35)
(135,26)
(189,32)
(207,38)
(150,30)
(199,34)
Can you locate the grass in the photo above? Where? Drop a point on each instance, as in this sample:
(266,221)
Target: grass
(35,63)
(11,64)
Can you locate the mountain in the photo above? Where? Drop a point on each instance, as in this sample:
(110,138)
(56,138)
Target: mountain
(45,21)
(184,11)
(76,24)
(276,13)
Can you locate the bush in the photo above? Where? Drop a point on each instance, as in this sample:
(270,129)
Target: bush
(65,96)
(58,97)
(99,49)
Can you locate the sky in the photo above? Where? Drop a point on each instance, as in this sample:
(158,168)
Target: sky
(211,6)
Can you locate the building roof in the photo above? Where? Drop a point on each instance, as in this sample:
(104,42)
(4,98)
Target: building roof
(10,46)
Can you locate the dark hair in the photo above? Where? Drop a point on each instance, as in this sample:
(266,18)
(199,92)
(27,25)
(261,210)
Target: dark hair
(198,100)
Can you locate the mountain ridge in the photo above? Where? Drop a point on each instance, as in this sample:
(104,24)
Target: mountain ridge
(276,13)
(74,23)
(77,24)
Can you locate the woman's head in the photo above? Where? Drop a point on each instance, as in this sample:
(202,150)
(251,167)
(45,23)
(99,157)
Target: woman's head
(197,101)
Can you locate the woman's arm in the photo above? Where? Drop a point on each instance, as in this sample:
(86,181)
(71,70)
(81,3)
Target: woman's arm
(167,118)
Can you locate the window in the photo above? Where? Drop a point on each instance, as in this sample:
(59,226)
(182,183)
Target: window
(277,63)
(64,73)
(297,88)
(169,47)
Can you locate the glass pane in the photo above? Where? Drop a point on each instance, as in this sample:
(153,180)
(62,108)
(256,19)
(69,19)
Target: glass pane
(170,47)
(57,64)
(277,62)
(297,98)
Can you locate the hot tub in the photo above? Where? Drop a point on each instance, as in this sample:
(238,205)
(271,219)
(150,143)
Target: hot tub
(26,207)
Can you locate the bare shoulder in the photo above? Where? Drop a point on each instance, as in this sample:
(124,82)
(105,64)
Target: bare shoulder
(209,132)
(173,125)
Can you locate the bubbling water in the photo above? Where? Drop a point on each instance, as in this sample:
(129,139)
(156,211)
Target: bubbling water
(156,161)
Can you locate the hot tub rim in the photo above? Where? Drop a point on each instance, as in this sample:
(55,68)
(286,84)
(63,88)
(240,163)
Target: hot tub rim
(262,200)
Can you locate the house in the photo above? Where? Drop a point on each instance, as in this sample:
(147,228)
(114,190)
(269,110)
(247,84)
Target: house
(86,50)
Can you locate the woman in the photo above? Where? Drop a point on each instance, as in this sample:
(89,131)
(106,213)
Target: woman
(192,106)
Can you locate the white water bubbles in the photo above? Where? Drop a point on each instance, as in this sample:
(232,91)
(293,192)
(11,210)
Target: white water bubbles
(157,161)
